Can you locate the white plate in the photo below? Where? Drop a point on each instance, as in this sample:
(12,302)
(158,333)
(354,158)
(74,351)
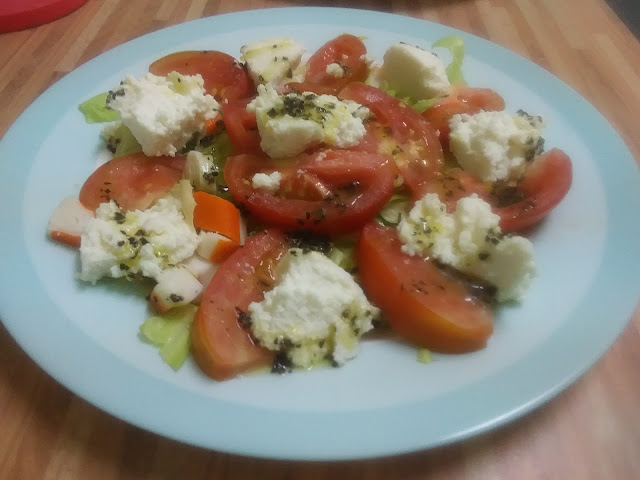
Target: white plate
(385,401)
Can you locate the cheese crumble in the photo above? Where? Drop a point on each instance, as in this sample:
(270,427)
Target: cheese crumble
(141,242)
(291,123)
(163,113)
(469,240)
(496,145)
(317,312)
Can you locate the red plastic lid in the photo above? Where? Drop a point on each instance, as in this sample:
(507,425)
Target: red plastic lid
(21,14)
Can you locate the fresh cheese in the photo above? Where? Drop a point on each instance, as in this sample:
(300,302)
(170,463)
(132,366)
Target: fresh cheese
(163,113)
(273,61)
(469,240)
(495,145)
(316,312)
(118,244)
(269,182)
(291,123)
(414,72)
(335,70)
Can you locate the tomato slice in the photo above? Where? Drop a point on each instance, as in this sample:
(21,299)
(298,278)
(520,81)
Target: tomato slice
(316,88)
(359,185)
(220,345)
(241,126)
(346,50)
(425,306)
(399,132)
(461,99)
(545,183)
(133,181)
(224,77)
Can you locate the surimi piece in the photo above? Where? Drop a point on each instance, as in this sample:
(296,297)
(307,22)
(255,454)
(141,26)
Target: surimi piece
(68,220)
(176,286)
(215,247)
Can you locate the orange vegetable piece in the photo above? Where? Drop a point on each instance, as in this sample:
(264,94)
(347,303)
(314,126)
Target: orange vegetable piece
(215,214)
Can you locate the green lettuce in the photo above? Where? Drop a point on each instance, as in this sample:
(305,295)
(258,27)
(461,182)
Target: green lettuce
(95,109)
(171,333)
(120,140)
(455,45)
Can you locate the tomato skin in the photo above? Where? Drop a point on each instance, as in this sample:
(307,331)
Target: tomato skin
(422,304)
(133,181)
(224,77)
(241,126)
(545,183)
(316,88)
(460,100)
(347,50)
(221,347)
(360,185)
(401,133)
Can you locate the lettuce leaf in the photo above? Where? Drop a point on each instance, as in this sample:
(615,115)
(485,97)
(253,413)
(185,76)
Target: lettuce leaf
(120,140)
(95,109)
(455,45)
(171,333)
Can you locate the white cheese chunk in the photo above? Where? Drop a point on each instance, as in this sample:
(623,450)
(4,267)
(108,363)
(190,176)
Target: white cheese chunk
(495,145)
(269,182)
(291,123)
(140,242)
(272,61)
(469,240)
(316,312)
(163,113)
(335,70)
(413,72)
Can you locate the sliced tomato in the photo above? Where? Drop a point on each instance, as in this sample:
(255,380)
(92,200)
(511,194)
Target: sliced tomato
(316,88)
(454,184)
(224,78)
(359,185)
(133,181)
(545,183)
(461,99)
(401,132)
(221,346)
(346,50)
(241,126)
(424,305)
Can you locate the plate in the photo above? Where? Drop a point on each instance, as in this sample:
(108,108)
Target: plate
(385,401)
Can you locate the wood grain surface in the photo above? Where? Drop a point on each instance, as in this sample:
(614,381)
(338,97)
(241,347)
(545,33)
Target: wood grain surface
(591,431)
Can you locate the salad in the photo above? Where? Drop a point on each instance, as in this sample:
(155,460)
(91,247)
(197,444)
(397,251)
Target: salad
(284,205)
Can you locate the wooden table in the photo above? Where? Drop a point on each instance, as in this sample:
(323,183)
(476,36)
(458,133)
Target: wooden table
(591,431)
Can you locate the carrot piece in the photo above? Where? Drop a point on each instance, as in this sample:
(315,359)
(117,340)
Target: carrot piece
(215,214)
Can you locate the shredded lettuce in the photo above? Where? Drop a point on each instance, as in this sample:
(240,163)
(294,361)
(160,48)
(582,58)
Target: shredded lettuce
(424,355)
(455,45)
(95,109)
(171,332)
(342,253)
(120,140)
(218,149)
(395,209)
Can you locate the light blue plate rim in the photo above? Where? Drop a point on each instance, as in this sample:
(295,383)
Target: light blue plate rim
(239,429)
